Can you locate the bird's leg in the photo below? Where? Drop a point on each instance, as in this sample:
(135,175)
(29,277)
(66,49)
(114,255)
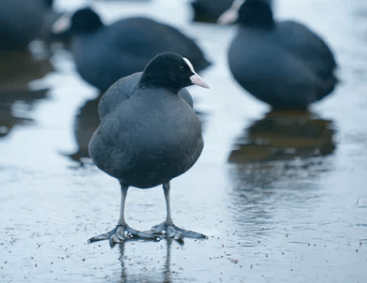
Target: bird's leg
(122,231)
(167,228)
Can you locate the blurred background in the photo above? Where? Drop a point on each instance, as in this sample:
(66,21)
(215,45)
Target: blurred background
(281,195)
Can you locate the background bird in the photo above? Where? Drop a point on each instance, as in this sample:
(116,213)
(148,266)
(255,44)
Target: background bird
(103,54)
(284,63)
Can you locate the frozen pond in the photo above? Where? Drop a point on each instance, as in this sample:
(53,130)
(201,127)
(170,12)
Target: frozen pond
(294,213)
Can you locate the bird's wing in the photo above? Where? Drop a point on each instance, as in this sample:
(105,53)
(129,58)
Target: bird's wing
(119,92)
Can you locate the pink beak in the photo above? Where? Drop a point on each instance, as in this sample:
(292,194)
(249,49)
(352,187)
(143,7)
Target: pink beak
(62,24)
(231,15)
(197,80)
(228,17)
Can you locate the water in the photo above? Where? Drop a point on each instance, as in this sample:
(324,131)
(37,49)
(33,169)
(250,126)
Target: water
(273,213)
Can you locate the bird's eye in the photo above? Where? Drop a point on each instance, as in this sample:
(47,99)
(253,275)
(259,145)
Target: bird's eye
(182,68)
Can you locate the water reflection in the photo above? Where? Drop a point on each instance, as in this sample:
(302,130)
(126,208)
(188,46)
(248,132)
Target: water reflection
(86,122)
(144,271)
(9,118)
(17,69)
(275,167)
(283,136)
(274,196)
(269,195)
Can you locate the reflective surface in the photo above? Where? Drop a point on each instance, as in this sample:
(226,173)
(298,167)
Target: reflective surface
(86,122)
(284,135)
(18,69)
(282,196)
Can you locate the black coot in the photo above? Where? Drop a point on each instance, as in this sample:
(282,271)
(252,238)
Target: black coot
(149,135)
(281,63)
(104,54)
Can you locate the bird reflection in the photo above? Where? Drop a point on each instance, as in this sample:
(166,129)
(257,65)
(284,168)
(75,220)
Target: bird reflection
(149,274)
(274,166)
(86,123)
(283,136)
(7,100)
(17,69)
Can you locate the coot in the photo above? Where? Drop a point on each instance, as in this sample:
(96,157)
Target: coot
(87,119)
(148,135)
(22,21)
(104,54)
(284,64)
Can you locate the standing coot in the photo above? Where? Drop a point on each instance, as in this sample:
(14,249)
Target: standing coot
(148,135)
(104,54)
(281,63)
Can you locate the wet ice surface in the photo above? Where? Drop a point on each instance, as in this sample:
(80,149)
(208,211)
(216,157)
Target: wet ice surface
(272,214)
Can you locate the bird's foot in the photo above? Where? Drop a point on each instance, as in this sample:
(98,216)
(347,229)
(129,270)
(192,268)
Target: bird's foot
(123,233)
(174,232)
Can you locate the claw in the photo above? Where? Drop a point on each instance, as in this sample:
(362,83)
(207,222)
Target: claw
(176,233)
(124,233)
(103,237)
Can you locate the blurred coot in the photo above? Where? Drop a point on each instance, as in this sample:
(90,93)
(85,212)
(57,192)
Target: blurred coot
(22,21)
(103,54)
(284,64)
